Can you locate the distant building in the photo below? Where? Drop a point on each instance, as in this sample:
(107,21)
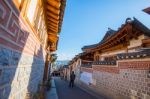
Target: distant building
(61,63)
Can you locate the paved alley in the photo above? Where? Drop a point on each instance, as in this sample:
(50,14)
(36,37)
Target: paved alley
(64,92)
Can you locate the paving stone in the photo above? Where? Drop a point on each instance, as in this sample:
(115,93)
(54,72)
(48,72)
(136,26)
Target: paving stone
(64,92)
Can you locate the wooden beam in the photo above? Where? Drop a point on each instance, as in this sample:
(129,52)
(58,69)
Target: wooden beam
(87,61)
(50,25)
(52,29)
(53,20)
(53,24)
(53,37)
(54,40)
(54,3)
(53,16)
(49,21)
(117,47)
(54,10)
(146,42)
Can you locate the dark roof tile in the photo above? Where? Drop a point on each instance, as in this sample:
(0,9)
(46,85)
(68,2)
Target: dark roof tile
(111,32)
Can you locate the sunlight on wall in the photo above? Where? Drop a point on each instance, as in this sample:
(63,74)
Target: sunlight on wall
(31,10)
(23,63)
(19,1)
(86,77)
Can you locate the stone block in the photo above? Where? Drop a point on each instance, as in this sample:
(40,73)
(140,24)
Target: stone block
(1,93)
(15,58)
(7,76)
(5,56)
(6,92)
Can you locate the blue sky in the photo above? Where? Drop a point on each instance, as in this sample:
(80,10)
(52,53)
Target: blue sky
(86,22)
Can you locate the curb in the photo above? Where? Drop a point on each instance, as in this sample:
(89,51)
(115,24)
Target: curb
(52,94)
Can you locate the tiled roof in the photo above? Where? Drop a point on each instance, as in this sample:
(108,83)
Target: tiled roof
(141,26)
(147,10)
(110,33)
(54,12)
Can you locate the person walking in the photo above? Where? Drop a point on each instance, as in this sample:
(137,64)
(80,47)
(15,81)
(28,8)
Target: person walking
(72,78)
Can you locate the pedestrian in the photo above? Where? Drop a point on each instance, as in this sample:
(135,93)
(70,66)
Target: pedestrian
(72,78)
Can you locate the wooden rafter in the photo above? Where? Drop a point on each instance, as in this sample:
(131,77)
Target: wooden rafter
(53,24)
(53,20)
(50,15)
(54,13)
(53,29)
(55,3)
(54,10)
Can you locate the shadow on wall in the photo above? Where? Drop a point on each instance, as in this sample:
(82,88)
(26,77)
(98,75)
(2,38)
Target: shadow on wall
(37,72)
(21,55)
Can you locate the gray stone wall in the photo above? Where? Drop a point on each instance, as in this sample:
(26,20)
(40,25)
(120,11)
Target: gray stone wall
(131,80)
(19,74)
(129,84)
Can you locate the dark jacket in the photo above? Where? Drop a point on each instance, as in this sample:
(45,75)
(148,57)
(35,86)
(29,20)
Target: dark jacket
(72,77)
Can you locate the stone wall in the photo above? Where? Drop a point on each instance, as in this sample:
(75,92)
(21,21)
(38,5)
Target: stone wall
(127,80)
(85,69)
(22,56)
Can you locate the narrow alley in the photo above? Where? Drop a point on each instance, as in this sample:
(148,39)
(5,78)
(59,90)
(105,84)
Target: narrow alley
(65,92)
(101,46)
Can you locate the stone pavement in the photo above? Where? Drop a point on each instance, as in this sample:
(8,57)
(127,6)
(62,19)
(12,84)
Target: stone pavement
(52,94)
(64,92)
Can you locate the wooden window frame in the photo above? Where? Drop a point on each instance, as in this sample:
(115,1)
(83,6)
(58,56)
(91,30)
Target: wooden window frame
(23,8)
(24,12)
(18,5)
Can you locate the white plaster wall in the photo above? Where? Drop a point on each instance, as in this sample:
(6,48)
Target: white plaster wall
(135,43)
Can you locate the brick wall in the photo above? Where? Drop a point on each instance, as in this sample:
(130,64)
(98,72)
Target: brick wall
(127,80)
(22,56)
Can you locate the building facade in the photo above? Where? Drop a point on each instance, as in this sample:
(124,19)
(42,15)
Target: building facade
(28,34)
(118,67)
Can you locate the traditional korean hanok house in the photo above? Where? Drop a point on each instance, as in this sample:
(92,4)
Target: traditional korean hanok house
(85,68)
(121,65)
(72,67)
(29,32)
(65,71)
(147,10)
(81,64)
(69,69)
